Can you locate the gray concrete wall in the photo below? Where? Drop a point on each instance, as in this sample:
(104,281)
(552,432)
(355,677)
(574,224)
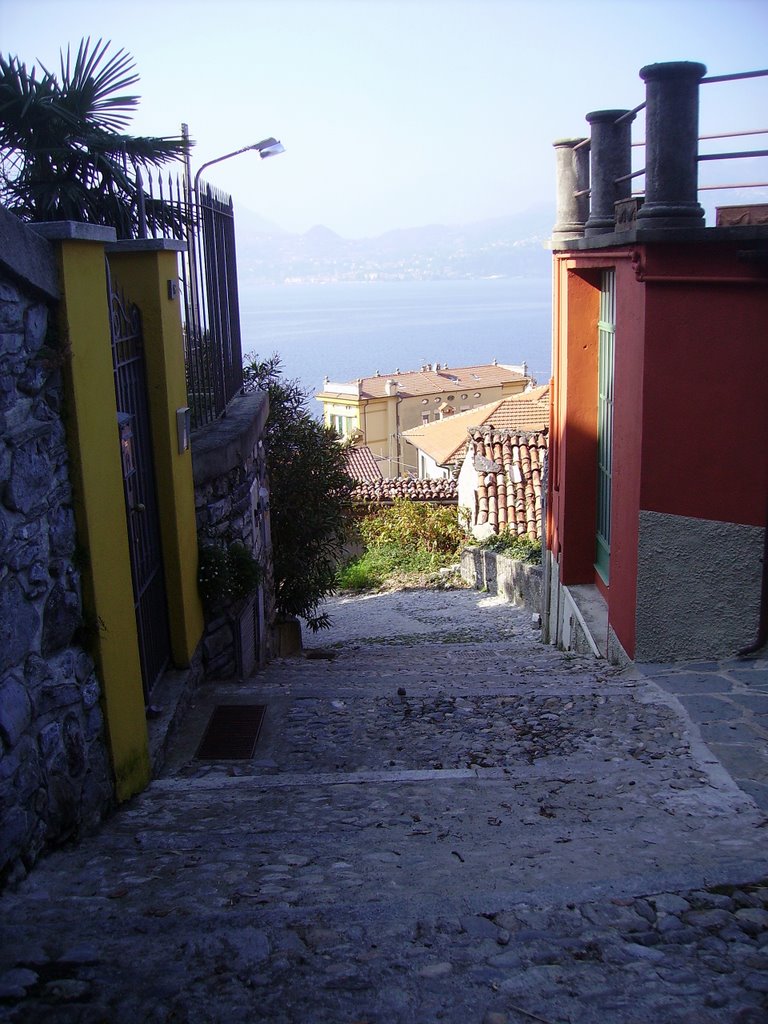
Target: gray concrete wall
(698,587)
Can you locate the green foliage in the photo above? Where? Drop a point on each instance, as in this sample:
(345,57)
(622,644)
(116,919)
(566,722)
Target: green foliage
(64,154)
(379,563)
(309,494)
(225,575)
(408,539)
(414,525)
(518,546)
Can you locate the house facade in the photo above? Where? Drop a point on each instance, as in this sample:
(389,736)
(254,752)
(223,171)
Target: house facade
(657,477)
(441,445)
(377,410)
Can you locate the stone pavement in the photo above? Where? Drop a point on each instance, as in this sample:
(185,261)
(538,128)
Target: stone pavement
(444,821)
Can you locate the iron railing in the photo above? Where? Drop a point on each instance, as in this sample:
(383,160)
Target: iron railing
(706,157)
(701,157)
(204,219)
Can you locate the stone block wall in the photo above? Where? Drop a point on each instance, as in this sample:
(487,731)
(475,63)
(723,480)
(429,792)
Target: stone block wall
(232,506)
(55,779)
(516,581)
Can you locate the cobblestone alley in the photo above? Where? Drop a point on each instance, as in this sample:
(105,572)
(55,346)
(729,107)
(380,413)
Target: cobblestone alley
(444,820)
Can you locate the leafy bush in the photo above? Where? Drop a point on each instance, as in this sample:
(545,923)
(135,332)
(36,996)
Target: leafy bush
(414,525)
(518,546)
(225,575)
(309,495)
(378,563)
(409,538)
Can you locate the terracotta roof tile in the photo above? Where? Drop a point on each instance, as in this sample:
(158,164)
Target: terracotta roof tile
(407,487)
(508,466)
(362,465)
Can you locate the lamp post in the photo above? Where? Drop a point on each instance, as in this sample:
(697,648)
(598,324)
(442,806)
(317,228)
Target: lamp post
(265,148)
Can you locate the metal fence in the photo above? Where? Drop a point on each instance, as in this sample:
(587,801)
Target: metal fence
(204,219)
(701,158)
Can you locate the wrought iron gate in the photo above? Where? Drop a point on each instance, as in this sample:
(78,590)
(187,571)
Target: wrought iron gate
(150,602)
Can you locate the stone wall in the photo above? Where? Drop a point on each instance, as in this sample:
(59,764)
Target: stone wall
(232,506)
(55,778)
(516,581)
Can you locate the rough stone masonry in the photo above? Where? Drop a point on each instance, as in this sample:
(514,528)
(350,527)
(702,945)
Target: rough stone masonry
(54,772)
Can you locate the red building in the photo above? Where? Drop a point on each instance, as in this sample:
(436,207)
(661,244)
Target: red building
(658,469)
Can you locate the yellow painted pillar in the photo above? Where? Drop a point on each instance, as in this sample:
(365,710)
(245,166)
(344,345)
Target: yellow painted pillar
(98,495)
(148,272)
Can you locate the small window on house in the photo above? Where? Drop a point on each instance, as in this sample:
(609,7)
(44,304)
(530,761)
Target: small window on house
(425,417)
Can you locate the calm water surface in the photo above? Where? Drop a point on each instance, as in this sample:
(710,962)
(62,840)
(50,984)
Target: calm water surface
(345,331)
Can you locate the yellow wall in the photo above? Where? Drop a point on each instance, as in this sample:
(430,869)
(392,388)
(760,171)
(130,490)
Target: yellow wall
(383,419)
(144,273)
(100,508)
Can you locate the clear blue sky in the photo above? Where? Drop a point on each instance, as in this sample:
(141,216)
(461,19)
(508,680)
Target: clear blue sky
(397,113)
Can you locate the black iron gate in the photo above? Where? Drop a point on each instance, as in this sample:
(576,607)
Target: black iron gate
(141,506)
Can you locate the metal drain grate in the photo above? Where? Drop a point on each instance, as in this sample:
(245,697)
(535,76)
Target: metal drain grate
(232,732)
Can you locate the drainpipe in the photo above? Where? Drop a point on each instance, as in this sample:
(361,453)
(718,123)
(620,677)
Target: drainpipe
(398,400)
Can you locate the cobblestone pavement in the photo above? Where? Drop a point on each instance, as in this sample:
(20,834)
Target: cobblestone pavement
(444,821)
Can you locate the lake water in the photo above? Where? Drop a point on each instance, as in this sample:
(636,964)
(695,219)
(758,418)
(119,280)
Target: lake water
(351,330)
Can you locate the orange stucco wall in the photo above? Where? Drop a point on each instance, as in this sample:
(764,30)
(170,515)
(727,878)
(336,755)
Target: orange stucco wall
(572,473)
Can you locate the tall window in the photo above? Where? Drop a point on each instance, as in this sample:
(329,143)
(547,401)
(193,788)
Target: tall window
(343,425)
(606,340)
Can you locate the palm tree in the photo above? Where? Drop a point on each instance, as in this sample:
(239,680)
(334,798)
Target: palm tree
(64,154)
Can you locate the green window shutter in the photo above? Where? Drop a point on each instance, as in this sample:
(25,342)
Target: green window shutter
(606,347)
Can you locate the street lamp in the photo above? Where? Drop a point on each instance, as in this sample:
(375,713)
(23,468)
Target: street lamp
(265,148)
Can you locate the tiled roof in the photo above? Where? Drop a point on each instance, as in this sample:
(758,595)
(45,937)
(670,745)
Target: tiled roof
(436,382)
(361,464)
(407,487)
(508,466)
(446,440)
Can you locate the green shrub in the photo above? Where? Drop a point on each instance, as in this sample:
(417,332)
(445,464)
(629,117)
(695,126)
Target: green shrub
(225,575)
(309,495)
(409,538)
(518,546)
(415,525)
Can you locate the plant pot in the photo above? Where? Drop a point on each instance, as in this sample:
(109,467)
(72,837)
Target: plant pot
(288,637)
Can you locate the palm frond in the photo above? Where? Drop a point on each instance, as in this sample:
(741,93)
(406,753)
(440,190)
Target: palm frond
(64,153)
(87,87)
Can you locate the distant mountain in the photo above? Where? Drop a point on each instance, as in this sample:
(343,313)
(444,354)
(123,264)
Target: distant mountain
(512,246)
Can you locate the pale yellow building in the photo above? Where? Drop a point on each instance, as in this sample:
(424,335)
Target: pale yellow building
(377,410)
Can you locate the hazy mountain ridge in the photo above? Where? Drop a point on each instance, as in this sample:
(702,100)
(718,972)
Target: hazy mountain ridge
(511,246)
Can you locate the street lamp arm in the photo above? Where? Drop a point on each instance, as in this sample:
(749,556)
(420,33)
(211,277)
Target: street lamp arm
(267,147)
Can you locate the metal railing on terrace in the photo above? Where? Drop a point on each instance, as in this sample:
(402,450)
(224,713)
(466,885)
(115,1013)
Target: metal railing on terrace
(595,174)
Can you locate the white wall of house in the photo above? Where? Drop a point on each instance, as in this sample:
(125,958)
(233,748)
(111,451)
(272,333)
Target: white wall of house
(428,468)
